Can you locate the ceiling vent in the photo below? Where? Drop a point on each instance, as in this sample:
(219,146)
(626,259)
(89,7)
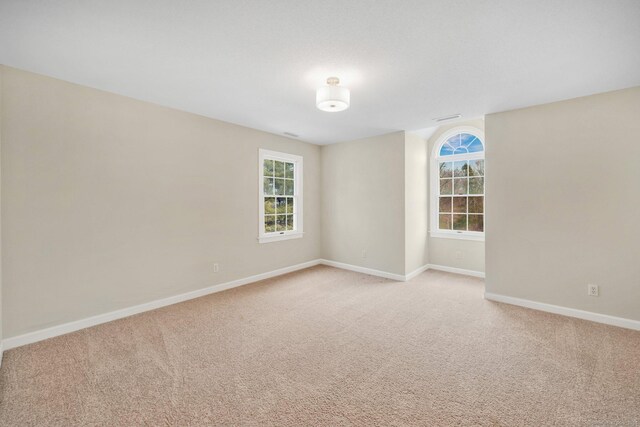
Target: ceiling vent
(446,118)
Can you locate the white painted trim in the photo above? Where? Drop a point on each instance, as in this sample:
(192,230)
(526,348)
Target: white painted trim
(373,272)
(457,270)
(283,236)
(467,235)
(66,328)
(434,183)
(77,325)
(416,272)
(263,236)
(365,270)
(566,311)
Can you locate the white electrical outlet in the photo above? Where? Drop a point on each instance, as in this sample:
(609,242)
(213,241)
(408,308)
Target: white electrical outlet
(593,290)
(216,268)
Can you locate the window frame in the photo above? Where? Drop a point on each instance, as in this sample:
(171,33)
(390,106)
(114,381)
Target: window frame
(434,230)
(275,236)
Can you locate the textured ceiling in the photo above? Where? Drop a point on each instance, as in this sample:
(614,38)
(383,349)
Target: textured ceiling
(258,63)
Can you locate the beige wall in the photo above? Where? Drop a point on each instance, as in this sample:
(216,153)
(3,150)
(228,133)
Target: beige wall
(465,254)
(374,202)
(563,181)
(110,202)
(416,204)
(363,202)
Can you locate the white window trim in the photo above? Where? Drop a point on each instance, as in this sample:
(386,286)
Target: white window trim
(435,184)
(297,192)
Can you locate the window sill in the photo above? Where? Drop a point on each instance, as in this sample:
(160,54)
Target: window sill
(457,235)
(279,237)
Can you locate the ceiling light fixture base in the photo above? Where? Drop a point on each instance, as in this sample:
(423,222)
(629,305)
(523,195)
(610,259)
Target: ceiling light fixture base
(333,98)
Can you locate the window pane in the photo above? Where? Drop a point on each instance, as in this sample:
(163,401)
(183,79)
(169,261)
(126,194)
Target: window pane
(288,170)
(281,222)
(459,221)
(454,141)
(268,186)
(290,205)
(288,187)
(446,170)
(279,168)
(461,168)
(268,168)
(445,204)
(460,204)
(279,187)
(476,167)
(466,139)
(289,222)
(281,205)
(445,222)
(476,222)
(446,185)
(446,150)
(269,205)
(461,185)
(269,223)
(476,204)
(475,146)
(476,185)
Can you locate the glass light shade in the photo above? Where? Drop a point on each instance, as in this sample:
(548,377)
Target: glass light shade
(333,98)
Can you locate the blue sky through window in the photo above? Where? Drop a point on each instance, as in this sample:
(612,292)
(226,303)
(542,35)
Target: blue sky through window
(462,143)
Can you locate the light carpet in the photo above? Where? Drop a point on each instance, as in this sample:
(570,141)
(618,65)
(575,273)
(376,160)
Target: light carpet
(326,346)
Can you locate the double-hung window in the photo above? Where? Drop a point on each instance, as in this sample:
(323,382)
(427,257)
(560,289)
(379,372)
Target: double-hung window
(280,202)
(458,185)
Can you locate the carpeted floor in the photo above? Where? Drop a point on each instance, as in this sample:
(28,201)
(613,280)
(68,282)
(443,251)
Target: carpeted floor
(330,347)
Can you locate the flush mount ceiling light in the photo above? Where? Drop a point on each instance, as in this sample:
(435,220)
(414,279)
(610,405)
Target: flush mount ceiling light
(332,97)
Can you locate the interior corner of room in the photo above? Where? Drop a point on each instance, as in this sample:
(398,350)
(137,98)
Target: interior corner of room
(500,206)
(139,214)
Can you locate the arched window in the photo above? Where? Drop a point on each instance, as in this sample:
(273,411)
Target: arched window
(457,184)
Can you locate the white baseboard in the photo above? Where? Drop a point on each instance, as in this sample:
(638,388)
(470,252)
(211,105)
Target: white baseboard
(401,277)
(69,327)
(66,328)
(365,270)
(416,272)
(456,270)
(566,311)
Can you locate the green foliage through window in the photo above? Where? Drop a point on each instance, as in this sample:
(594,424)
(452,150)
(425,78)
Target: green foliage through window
(279,196)
(461,184)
